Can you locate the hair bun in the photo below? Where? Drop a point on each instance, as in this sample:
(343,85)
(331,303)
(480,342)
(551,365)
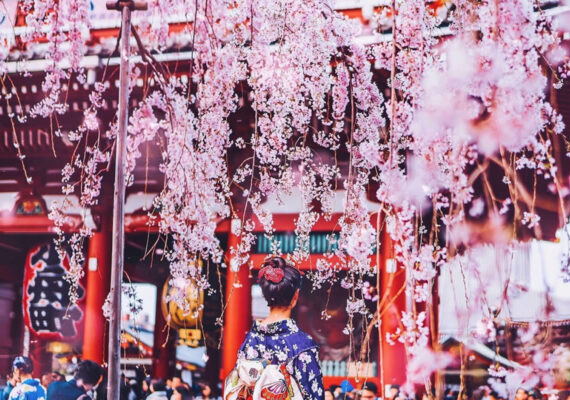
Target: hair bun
(279,281)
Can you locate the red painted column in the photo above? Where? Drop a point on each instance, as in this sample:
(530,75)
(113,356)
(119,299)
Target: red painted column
(164,347)
(392,366)
(98,282)
(237,318)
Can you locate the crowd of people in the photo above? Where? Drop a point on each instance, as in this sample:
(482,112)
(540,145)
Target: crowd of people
(369,391)
(89,383)
(276,359)
(345,391)
(170,389)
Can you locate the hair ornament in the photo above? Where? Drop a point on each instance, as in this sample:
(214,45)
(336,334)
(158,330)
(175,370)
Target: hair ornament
(272,274)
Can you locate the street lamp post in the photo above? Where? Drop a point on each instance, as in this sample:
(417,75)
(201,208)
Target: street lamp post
(118,245)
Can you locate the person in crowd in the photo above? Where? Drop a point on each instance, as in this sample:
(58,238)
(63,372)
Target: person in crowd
(335,390)
(485,393)
(205,392)
(177,381)
(493,395)
(86,377)
(394,392)
(27,388)
(534,394)
(11,383)
(346,390)
(48,378)
(182,393)
(157,389)
(369,391)
(101,389)
(169,388)
(135,392)
(278,338)
(146,387)
(521,394)
(125,388)
(329,394)
(449,395)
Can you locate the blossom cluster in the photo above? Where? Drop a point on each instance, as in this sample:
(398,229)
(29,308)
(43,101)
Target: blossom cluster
(465,93)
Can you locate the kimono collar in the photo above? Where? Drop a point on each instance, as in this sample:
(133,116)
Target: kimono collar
(285,326)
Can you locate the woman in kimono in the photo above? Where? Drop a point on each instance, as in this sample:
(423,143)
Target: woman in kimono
(277,338)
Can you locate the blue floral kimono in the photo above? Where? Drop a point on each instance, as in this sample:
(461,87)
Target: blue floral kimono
(283,342)
(30,389)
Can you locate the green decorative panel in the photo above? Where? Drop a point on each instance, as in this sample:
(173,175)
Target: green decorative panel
(318,242)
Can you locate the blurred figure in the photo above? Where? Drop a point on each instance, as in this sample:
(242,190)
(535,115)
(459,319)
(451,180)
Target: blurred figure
(27,388)
(335,390)
(135,392)
(146,387)
(11,383)
(369,391)
(205,392)
(534,394)
(329,394)
(176,381)
(157,390)
(182,393)
(125,388)
(347,390)
(394,392)
(86,376)
(101,389)
(48,378)
(521,394)
(169,388)
(449,395)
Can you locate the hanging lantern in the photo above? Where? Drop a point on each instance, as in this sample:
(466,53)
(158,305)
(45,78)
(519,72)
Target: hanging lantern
(48,310)
(185,319)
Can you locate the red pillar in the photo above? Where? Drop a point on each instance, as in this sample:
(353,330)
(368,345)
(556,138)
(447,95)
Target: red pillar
(237,318)
(98,282)
(392,366)
(164,347)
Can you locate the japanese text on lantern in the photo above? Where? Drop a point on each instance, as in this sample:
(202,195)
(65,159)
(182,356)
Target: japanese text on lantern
(48,310)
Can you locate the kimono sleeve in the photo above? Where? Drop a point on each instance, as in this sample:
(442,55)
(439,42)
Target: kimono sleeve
(308,374)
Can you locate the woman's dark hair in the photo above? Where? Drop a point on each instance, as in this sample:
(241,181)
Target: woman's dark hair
(88,371)
(24,364)
(281,293)
(185,392)
(158,385)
